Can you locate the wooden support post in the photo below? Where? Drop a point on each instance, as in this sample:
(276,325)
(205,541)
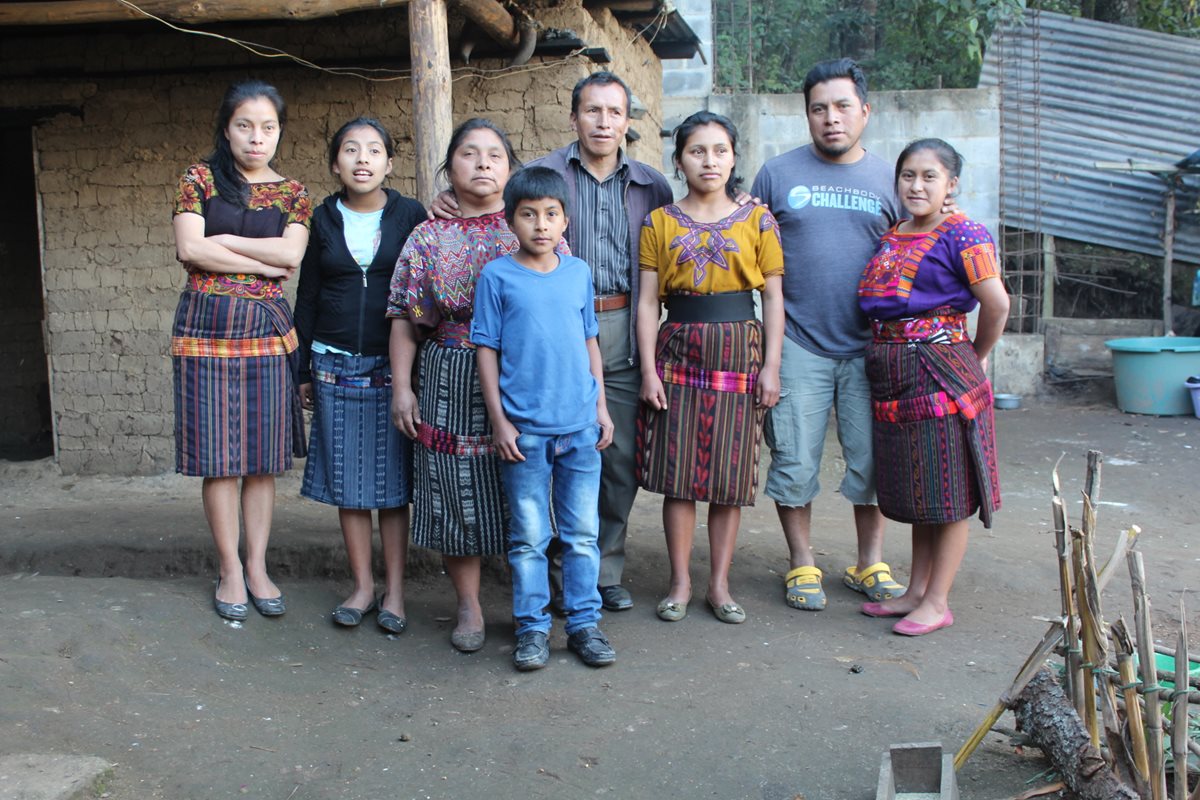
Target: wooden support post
(432,98)
(1049,275)
(1168,257)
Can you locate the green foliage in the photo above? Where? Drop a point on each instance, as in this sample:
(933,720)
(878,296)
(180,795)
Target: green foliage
(768,45)
(1180,17)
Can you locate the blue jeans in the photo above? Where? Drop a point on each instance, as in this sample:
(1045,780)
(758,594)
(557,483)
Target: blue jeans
(570,463)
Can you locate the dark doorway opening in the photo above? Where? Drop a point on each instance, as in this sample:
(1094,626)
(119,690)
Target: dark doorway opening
(25,425)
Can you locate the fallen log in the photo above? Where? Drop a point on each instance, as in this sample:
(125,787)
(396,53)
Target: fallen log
(1045,714)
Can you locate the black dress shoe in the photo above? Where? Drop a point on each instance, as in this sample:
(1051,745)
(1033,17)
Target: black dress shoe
(592,647)
(532,652)
(616,598)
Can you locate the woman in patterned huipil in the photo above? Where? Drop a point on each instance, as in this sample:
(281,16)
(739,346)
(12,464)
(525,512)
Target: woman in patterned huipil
(715,370)
(935,446)
(458,500)
(240,229)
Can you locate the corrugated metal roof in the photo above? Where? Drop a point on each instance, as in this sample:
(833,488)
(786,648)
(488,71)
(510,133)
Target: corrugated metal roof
(1075,92)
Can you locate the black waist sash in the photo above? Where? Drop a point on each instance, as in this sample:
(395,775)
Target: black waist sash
(723,307)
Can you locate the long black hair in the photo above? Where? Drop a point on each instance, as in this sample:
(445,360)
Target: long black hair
(229,181)
(699,120)
(460,133)
(335,144)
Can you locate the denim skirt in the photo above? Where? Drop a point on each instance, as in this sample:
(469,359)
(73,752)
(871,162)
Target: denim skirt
(356,457)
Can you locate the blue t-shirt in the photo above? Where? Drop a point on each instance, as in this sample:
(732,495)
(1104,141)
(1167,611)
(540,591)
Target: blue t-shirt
(540,323)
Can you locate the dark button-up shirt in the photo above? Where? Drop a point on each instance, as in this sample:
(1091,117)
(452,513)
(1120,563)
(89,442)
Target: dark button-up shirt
(601,224)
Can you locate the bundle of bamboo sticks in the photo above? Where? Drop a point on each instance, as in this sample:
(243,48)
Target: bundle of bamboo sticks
(1104,692)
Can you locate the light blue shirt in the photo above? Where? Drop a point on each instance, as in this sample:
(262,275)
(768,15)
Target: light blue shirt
(362,233)
(540,323)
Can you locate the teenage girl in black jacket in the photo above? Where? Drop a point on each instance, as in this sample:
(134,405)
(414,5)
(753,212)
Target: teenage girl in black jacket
(357,461)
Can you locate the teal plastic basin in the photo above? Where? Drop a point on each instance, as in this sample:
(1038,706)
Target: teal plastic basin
(1149,372)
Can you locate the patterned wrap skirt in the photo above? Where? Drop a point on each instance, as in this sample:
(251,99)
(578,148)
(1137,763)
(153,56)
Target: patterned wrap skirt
(237,411)
(934,433)
(458,500)
(705,445)
(357,458)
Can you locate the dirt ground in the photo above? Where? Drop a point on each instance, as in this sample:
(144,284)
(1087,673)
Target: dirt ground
(109,647)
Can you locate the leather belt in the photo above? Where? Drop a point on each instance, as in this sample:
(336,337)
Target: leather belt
(611,302)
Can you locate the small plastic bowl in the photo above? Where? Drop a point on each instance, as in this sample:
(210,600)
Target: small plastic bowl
(1007,401)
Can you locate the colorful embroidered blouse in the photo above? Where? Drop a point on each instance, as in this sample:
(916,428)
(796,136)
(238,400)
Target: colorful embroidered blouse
(272,207)
(433,285)
(912,273)
(734,255)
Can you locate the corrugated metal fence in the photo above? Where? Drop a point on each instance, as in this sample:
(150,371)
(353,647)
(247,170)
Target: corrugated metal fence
(1074,92)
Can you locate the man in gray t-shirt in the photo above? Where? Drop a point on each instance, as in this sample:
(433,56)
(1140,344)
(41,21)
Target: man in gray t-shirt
(833,201)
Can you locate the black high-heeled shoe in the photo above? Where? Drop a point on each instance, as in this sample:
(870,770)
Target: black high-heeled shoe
(267,606)
(235,612)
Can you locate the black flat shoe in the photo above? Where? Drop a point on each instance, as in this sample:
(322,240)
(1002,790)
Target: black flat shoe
(235,612)
(392,623)
(350,617)
(267,606)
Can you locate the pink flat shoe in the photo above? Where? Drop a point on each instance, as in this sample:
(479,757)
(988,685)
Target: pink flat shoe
(907,628)
(879,610)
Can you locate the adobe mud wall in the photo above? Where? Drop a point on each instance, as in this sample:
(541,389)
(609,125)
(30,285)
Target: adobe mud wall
(125,109)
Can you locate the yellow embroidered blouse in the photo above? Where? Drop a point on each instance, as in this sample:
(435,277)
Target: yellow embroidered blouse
(735,254)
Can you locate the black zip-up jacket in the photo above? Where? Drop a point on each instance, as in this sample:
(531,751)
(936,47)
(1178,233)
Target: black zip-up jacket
(336,303)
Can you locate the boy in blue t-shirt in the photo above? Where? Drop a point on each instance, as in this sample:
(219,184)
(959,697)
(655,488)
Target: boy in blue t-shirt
(540,370)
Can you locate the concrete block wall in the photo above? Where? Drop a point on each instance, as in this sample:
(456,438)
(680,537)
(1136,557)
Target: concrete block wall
(771,124)
(108,165)
(692,77)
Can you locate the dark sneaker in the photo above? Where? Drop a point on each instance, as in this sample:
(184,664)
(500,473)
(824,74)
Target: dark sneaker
(533,651)
(592,647)
(616,598)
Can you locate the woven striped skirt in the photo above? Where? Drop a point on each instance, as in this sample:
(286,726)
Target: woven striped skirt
(705,445)
(934,433)
(237,411)
(356,457)
(458,500)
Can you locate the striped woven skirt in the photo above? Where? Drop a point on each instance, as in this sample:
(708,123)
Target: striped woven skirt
(458,499)
(356,457)
(237,411)
(934,433)
(705,445)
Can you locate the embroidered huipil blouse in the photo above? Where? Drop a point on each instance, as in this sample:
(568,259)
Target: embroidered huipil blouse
(735,254)
(273,205)
(913,273)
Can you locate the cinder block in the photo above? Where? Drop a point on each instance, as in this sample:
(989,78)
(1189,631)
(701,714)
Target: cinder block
(917,772)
